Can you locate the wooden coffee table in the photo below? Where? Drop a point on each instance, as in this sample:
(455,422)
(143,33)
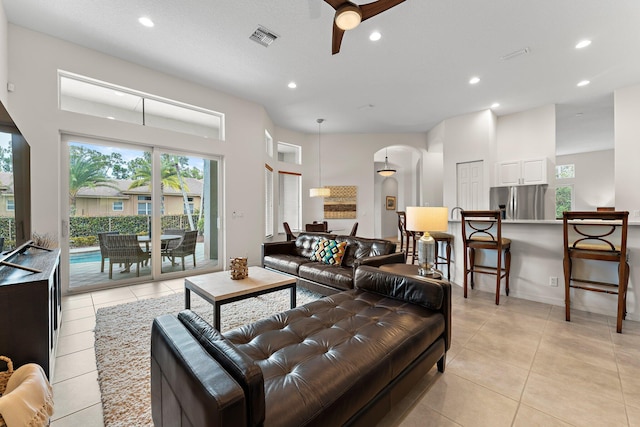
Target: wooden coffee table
(218,288)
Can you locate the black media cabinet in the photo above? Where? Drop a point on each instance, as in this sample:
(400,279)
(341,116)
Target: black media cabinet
(30,308)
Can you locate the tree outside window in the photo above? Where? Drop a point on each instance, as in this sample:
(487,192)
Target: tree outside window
(564,193)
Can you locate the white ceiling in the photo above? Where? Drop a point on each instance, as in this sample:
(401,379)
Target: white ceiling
(413,78)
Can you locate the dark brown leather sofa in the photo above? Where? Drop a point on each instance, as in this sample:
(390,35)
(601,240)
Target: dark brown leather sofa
(343,360)
(294,258)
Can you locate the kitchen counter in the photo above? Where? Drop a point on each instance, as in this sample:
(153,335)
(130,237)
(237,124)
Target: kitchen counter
(536,265)
(538,221)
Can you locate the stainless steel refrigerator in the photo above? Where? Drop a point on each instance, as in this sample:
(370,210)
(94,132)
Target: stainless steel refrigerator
(519,201)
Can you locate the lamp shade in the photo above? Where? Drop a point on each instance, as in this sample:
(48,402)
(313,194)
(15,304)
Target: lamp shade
(319,192)
(427,218)
(386,172)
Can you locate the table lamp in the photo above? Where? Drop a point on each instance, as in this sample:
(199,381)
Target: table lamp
(424,219)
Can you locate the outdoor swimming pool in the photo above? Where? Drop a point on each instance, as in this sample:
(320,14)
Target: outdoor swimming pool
(92,256)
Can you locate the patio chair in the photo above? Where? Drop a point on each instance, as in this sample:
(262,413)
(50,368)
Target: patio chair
(170,245)
(125,249)
(103,247)
(186,247)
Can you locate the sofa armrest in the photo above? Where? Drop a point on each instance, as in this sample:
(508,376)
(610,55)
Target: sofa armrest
(272,248)
(430,293)
(188,383)
(378,260)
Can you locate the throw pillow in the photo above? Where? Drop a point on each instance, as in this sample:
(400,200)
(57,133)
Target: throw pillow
(329,252)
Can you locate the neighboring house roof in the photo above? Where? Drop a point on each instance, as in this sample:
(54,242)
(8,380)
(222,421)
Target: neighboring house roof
(6,182)
(194,189)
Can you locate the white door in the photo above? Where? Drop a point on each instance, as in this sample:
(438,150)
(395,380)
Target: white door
(470,185)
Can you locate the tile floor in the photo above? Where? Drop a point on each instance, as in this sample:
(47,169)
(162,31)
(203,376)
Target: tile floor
(517,364)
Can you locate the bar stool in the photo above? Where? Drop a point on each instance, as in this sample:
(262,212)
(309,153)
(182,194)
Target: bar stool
(445,239)
(596,236)
(404,234)
(483,230)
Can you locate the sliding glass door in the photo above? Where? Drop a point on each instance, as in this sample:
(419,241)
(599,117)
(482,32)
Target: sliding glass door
(189,203)
(137,213)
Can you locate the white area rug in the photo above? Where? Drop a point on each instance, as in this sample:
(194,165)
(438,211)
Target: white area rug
(123,335)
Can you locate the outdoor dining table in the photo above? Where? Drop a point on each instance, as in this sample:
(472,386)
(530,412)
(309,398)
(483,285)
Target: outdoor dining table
(164,240)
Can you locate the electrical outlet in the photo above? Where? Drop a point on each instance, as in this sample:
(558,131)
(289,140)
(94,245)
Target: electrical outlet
(553,281)
(636,213)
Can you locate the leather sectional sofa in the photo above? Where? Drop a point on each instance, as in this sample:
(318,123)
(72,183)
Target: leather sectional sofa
(345,359)
(294,258)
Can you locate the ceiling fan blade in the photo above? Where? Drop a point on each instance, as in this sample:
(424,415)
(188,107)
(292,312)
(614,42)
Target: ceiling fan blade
(372,9)
(335,3)
(337,39)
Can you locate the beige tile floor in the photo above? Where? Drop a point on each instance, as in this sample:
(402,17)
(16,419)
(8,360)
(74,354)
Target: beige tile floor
(517,364)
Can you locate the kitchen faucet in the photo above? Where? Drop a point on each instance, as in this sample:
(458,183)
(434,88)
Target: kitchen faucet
(457,208)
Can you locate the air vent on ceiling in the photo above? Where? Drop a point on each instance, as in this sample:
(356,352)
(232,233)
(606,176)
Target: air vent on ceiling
(263,36)
(514,54)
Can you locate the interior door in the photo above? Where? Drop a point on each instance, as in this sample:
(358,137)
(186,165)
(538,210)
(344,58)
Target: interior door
(470,193)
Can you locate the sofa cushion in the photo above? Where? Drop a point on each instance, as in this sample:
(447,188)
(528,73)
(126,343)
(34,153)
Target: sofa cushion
(329,252)
(360,247)
(285,263)
(318,357)
(418,290)
(306,242)
(338,277)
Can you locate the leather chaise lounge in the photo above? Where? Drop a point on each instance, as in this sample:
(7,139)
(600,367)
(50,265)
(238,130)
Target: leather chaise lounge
(294,258)
(345,359)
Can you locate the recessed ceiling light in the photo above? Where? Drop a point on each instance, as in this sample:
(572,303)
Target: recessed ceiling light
(495,105)
(583,43)
(147,22)
(375,36)
(111,118)
(292,85)
(474,80)
(583,83)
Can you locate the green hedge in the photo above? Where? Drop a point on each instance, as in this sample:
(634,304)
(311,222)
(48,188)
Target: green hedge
(84,229)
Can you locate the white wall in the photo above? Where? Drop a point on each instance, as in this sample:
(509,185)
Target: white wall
(465,138)
(351,162)
(594,183)
(4,48)
(529,134)
(627,149)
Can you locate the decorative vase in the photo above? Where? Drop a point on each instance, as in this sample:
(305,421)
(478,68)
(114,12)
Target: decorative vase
(238,268)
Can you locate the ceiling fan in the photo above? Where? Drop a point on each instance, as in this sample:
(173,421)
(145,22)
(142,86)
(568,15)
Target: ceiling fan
(349,15)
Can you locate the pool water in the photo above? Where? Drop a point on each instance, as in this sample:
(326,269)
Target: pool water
(93,256)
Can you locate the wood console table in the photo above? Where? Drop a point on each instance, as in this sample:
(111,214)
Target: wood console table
(30,307)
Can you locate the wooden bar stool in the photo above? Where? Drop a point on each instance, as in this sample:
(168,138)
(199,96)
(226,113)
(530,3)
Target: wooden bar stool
(445,239)
(483,230)
(596,236)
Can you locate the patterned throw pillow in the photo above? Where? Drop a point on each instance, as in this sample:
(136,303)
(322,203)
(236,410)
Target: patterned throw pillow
(329,252)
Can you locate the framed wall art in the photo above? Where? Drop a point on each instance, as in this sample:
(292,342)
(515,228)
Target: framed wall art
(341,204)
(391,203)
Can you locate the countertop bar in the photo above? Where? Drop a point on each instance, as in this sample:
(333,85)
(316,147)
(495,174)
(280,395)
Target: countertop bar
(538,221)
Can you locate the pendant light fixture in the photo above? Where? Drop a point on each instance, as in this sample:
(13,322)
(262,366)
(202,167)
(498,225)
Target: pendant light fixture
(386,171)
(319,191)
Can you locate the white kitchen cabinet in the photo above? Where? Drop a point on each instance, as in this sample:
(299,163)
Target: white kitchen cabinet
(522,172)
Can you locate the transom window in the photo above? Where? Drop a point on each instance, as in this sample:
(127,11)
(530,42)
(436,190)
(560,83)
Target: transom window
(80,94)
(289,153)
